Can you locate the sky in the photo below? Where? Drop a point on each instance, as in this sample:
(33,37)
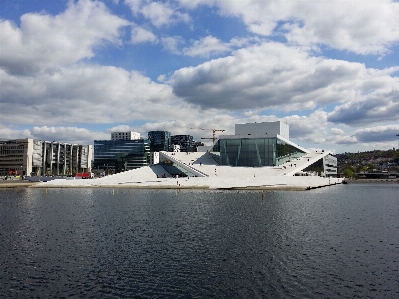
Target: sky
(75,71)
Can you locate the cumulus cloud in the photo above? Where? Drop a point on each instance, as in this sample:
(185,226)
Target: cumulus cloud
(336,131)
(44,42)
(49,80)
(158,13)
(309,129)
(364,28)
(378,134)
(172,43)
(263,77)
(13,133)
(206,46)
(56,133)
(211,45)
(142,35)
(361,27)
(377,106)
(67,134)
(85,94)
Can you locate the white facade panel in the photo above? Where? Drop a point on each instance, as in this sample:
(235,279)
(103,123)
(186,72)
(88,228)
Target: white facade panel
(265,128)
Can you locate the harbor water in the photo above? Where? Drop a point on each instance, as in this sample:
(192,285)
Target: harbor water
(335,242)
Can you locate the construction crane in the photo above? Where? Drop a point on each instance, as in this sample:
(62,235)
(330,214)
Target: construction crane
(213,133)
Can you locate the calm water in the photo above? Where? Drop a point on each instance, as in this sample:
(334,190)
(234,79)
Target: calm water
(335,242)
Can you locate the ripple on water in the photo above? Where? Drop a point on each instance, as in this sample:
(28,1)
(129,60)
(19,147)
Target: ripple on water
(339,242)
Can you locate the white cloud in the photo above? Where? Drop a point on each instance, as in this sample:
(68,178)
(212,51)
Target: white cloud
(369,27)
(336,131)
(141,35)
(158,13)
(56,133)
(211,45)
(380,105)
(47,79)
(312,128)
(120,128)
(361,27)
(84,93)
(67,134)
(261,77)
(378,133)
(134,5)
(206,46)
(172,43)
(195,3)
(12,133)
(44,42)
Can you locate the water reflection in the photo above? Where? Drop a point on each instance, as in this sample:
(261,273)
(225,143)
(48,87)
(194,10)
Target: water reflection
(331,243)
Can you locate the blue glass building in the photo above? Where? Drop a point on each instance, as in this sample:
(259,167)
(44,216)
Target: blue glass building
(120,155)
(159,141)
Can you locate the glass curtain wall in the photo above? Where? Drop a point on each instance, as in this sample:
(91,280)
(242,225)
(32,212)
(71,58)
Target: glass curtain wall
(159,140)
(120,155)
(256,152)
(285,152)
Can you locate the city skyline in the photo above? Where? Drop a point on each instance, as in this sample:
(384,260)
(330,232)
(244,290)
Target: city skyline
(75,71)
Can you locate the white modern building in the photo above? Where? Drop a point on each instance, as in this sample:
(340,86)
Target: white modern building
(263,129)
(257,156)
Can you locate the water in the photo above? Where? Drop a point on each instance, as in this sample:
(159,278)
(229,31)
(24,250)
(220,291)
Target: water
(335,242)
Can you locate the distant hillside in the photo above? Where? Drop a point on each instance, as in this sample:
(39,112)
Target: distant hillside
(378,160)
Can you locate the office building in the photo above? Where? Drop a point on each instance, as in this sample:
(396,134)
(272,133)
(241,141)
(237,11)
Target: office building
(159,141)
(36,157)
(185,142)
(119,155)
(125,135)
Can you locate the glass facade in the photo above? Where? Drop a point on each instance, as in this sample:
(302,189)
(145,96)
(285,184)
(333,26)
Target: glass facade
(119,155)
(159,141)
(256,152)
(186,142)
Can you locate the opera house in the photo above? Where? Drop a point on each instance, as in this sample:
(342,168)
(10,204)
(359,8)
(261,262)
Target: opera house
(257,156)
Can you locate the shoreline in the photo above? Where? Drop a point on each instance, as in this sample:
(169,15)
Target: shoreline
(9,184)
(379,181)
(272,187)
(16,184)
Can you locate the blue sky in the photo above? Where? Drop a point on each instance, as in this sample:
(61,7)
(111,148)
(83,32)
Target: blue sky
(75,71)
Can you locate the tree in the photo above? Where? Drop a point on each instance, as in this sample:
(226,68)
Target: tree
(348,173)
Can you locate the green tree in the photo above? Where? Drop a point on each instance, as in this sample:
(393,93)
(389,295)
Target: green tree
(348,173)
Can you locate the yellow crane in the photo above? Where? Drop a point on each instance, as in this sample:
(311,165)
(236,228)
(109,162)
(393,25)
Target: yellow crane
(213,133)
